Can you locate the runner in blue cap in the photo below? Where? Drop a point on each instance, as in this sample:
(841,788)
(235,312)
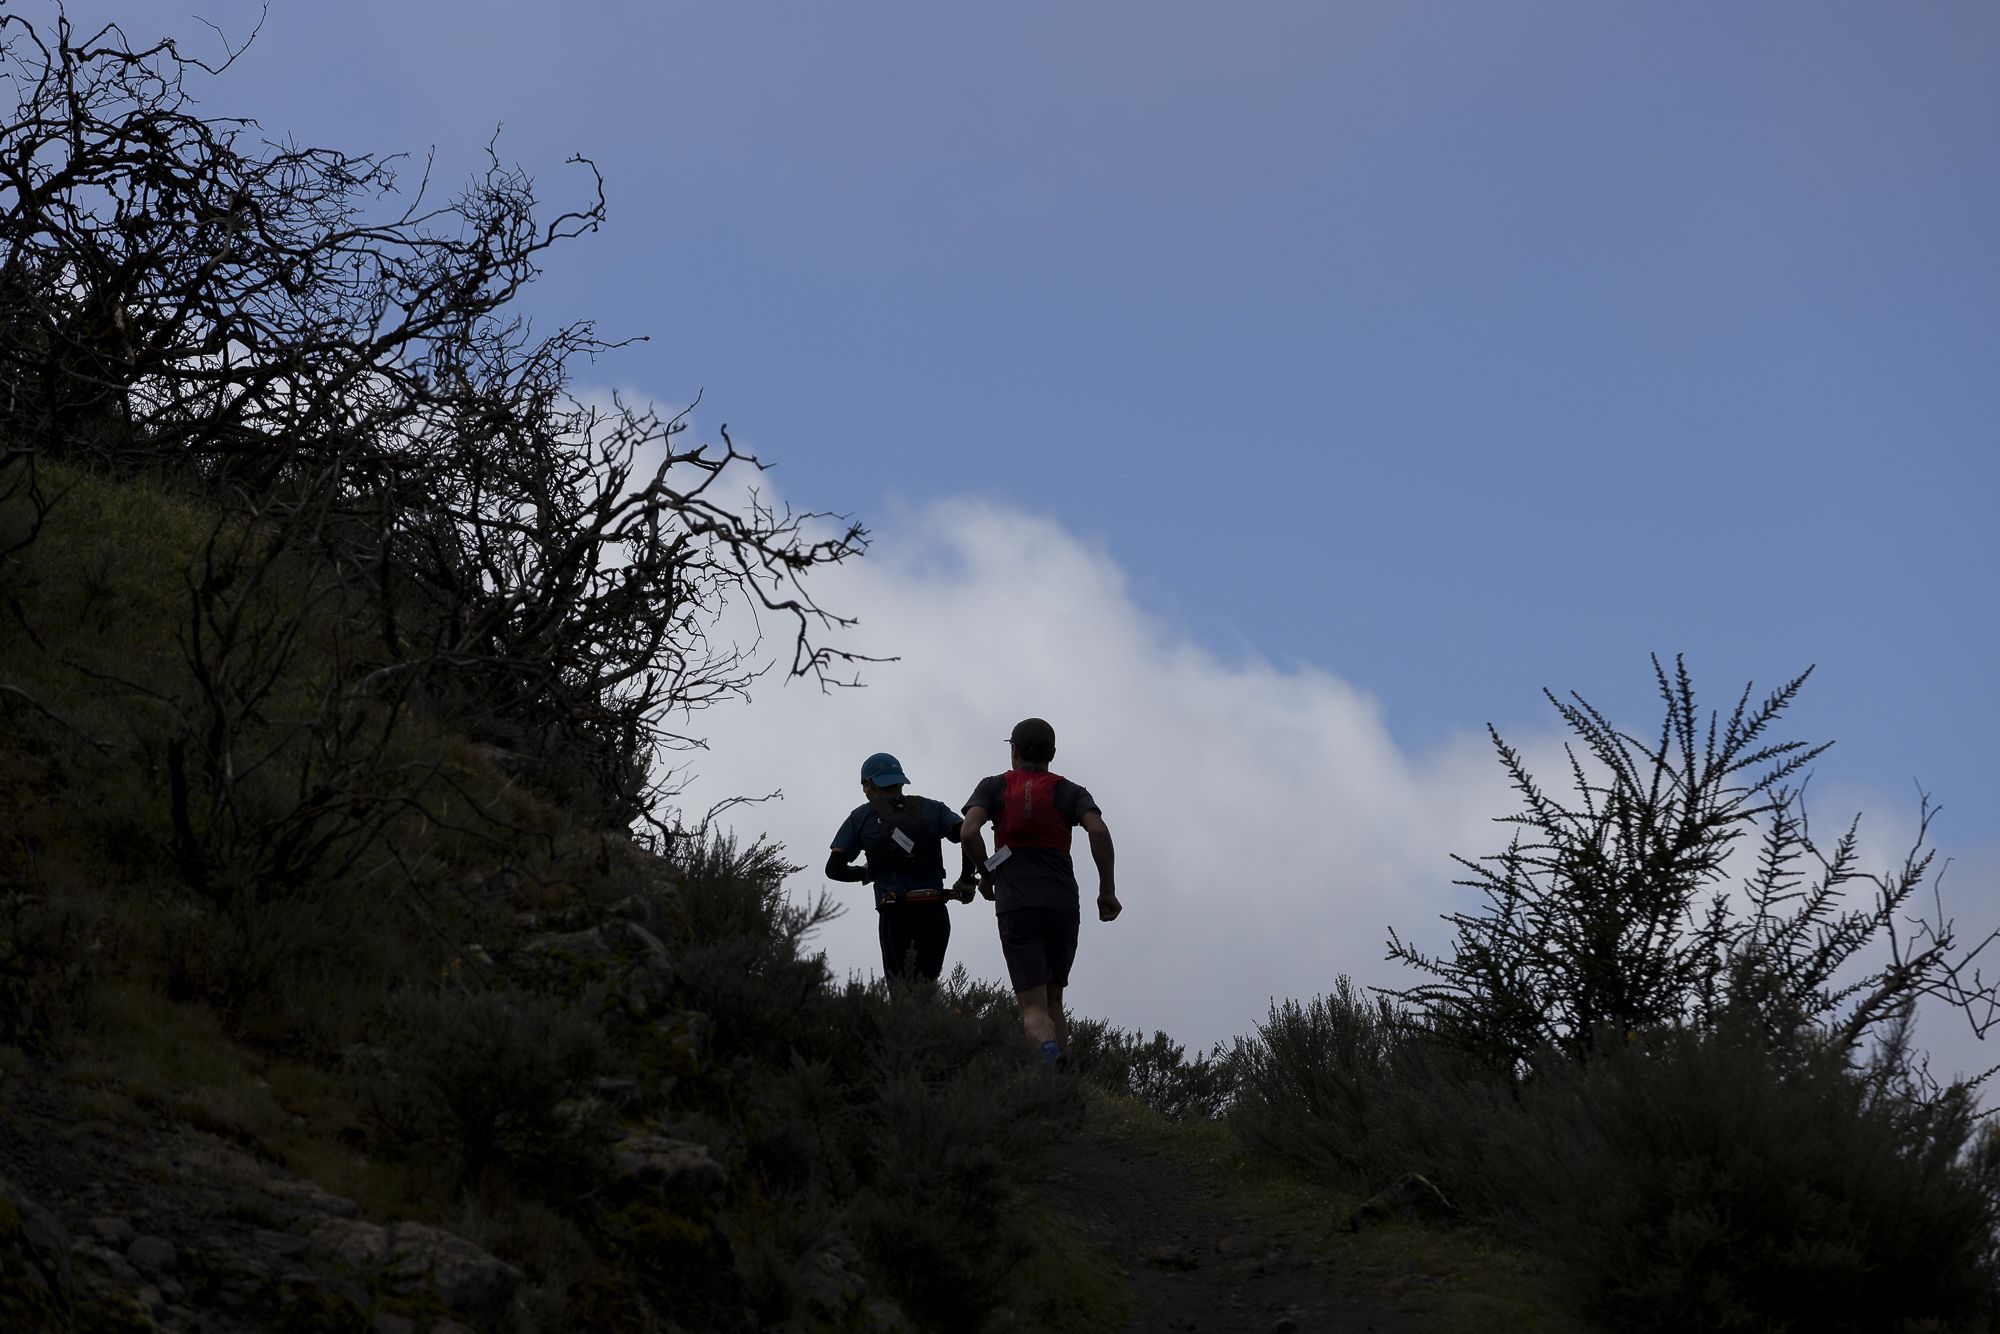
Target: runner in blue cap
(901,835)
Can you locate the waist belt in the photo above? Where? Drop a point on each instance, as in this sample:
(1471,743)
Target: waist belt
(919,896)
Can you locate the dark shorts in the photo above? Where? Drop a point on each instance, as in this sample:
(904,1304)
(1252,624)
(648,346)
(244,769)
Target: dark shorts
(913,936)
(1040,945)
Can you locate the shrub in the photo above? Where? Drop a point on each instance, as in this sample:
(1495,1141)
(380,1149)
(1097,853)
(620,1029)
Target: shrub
(1594,919)
(44,969)
(484,1078)
(891,1117)
(1155,1071)
(1699,1182)
(1683,1180)
(741,953)
(1350,1090)
(298,973)
(949,1106)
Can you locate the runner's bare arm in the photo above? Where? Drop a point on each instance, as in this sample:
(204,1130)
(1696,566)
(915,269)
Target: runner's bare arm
(968,869)
(973,844)
(1108,906)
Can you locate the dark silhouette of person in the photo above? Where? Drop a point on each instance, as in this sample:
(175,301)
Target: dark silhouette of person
(902,838)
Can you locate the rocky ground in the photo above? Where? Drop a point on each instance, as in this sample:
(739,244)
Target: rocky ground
(166,1227)
(162,1226)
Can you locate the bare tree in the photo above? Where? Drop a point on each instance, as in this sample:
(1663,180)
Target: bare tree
(338,368)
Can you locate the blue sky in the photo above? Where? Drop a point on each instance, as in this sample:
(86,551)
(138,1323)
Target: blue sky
(1442,352)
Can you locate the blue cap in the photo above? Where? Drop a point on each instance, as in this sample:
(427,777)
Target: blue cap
(883,770)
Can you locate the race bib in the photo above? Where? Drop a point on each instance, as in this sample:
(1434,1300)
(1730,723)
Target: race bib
(902,840)
(1000,855)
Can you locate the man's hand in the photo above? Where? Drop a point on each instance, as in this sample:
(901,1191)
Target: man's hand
(986,888)
(961,888)
(1108,906)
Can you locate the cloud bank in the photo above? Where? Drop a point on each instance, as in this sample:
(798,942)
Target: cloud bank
(1268,828)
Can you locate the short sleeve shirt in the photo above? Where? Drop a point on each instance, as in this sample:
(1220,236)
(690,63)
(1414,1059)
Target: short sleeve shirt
(1035,877)
(864,831)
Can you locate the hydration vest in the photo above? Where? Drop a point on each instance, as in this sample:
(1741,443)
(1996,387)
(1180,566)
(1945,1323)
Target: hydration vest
(1028,817)
(923,860)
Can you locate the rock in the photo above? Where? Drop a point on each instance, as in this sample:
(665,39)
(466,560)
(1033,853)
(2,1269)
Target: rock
(588,945)
(353,1242)
(113,1231)
(879,1315)
(1412,1197)
(308,1198)
(1172,1257)
(637,940)
(152,1255)
(1231,1245)
(310,1301)
(612,1089)
(684,1030)
(634,908)
(833,1287)
(656,1162)
(106,1261)
(631,960)
(416,1257)
(1285,1324)
(280,1243)
(465,1278)
(35,1273)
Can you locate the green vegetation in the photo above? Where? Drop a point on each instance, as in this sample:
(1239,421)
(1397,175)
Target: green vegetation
(460,1044)
(1694,1115)
(1154,1072)
(341,647)
(1704,1119)
(1458,1280)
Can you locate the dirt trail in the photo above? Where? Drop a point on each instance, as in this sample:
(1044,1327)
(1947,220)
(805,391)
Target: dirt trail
(1199,1261)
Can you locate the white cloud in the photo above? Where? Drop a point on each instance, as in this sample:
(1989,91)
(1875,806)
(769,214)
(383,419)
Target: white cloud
(1268,828)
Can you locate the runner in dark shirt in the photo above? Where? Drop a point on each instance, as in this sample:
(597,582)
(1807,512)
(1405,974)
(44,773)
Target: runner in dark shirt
(1031,878)
(901,837)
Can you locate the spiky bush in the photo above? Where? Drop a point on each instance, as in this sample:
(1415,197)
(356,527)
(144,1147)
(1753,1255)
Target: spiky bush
(1610,909)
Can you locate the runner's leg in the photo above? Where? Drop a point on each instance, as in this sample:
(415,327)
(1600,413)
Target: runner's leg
(902,943)
(893,944)
(1057,1017)
(931,940)
(1035,1017)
